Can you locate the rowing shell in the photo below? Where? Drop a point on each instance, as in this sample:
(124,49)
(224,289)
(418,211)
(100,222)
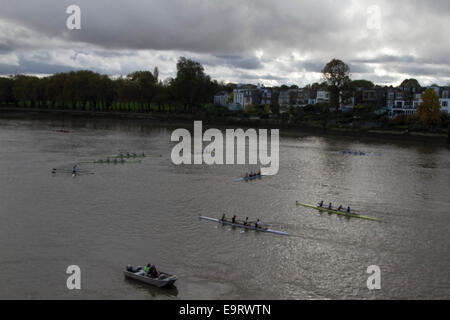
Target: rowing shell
(114,161)
(130,156)
(244,227)
(352,215)
(248,178)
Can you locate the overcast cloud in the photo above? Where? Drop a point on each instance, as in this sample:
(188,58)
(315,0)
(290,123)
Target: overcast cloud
(272,42)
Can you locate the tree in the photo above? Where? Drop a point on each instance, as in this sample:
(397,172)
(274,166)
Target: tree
(251,109)
(365,84)
(146,84)
(410,83)
(337,76)
(230,98)
(190,83)
(430,109)
(6,90)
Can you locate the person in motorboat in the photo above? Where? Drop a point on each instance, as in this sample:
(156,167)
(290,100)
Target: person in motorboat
(246,222)
(153,272)
(257,224)
(321,204)
(147,268)
(233,220)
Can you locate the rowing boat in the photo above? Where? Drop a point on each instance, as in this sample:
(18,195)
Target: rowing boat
(113,161)
(267,230)
(248,178)
(333,211)
(162,280)
(129,156)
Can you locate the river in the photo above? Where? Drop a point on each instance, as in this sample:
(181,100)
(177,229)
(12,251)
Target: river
(113,215)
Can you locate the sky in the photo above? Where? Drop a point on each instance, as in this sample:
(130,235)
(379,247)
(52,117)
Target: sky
(252,41)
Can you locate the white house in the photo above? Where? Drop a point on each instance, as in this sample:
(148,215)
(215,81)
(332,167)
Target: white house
(221,98)
(246,96)
(322,96)
(401,107)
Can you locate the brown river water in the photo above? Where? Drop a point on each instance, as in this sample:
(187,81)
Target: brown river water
(113,215)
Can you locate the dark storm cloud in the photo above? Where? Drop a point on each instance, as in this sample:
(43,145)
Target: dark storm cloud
(231,61)
(422,70)
(5,48)
(386,59)
(228,34)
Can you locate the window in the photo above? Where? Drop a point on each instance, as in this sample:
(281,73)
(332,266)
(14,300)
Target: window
(444,104)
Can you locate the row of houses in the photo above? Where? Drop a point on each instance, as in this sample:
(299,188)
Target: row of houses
(399,100)
(247,94)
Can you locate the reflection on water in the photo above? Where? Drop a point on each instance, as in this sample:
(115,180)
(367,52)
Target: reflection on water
(133,212)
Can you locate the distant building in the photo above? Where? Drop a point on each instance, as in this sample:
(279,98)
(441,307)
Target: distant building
(322,96)
(287,98)
(221,98)
(305,97)
(407,103)
(247,95)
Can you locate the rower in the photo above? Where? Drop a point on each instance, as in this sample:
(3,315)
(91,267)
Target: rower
(257,224)
(321,204)
(246,175)
(330,206)
(74,169)
(233,220)
(246,222)
(339,208)
(223,218)
(348,210)
(259,172)
(153,272)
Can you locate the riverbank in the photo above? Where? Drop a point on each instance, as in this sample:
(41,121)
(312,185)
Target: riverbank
(183,119)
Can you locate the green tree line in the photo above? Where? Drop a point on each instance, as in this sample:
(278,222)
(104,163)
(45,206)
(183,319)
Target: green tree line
(140,91)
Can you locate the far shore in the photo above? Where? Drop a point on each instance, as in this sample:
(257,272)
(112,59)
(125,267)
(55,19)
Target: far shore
(183,119)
